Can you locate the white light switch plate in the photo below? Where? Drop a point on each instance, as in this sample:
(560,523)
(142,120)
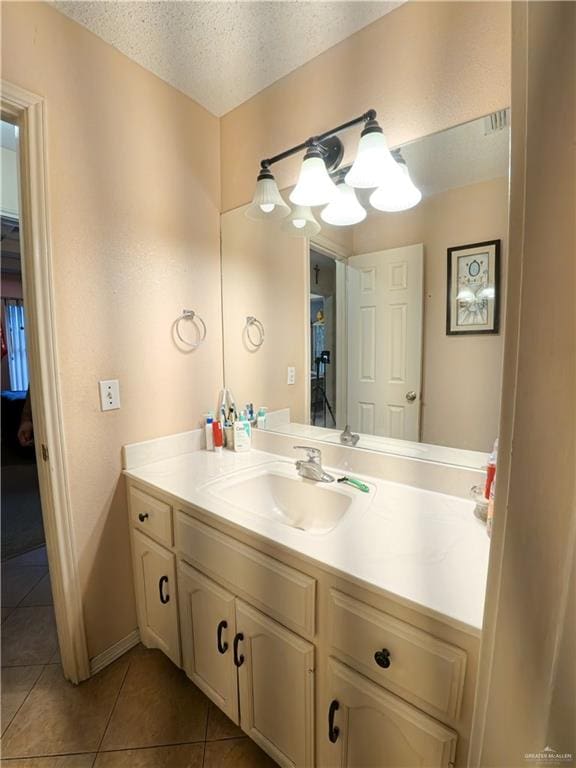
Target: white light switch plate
(291,375)
(109,394)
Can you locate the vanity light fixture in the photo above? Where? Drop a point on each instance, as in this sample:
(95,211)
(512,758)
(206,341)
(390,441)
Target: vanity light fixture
(268,202)
(345,209)
(399,193)
(323,154)
(374,168)
(301,222)
(374,164)
(314,187)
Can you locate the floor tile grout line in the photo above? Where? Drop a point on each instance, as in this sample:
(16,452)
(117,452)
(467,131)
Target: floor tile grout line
(154,746)
(208,708)
(31,664)
(19,605)
(41,757)
(114,706)
(25,699)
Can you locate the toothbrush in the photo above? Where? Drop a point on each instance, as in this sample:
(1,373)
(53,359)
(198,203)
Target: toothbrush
(354,483)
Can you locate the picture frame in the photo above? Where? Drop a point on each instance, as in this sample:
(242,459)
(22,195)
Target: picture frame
(473,289)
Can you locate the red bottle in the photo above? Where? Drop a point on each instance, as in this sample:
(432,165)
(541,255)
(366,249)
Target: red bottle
(491,470)
(218,436)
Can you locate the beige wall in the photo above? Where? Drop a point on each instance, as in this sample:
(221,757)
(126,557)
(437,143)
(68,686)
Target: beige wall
(424,67)
(134,209)
(264,274)
(528,618)
(461,374)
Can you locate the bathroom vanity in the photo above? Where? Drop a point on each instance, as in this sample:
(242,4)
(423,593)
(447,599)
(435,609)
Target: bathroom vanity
(348,636)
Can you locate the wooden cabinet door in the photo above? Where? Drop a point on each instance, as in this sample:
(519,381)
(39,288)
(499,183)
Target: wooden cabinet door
(371,728)
(156,597)
(276,680)
(208,627)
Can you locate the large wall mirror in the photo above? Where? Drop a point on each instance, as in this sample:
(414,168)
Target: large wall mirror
(393,326)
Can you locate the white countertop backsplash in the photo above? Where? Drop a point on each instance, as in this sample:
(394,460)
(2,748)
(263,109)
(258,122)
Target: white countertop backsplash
(421,545)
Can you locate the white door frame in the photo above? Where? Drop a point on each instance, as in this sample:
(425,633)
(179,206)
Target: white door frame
(28,111)
(327,248)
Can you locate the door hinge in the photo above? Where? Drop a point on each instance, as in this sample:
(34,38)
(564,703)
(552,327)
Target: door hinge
(45,454)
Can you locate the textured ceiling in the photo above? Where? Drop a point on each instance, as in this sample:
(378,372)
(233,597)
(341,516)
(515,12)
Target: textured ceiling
(222,53)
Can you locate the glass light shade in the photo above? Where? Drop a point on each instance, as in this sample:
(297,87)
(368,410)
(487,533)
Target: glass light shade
(345,209)
(373,164)
(314,187)
(267,202)
(399,194)
(301,222)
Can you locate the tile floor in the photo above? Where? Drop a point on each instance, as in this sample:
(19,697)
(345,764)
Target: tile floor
(140,712)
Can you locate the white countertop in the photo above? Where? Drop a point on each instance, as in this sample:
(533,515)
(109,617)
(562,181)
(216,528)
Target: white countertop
(423,546)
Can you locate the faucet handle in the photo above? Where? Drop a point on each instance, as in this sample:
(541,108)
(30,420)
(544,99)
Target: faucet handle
(314,454)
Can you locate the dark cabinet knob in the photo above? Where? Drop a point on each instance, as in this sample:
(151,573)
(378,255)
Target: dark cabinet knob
(163,598)
(333,730)
(382,658)
(143,516)
(238,658)
(222,646)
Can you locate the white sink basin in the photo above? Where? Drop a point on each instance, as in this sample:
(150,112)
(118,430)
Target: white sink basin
(276,491)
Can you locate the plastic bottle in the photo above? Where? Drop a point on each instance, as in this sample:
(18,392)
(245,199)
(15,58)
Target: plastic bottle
(218,436)
(209,432)
(261,418)
(491,470)
(490,512)
(242,435)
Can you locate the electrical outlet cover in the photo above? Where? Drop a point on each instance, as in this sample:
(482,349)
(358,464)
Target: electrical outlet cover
(109,394)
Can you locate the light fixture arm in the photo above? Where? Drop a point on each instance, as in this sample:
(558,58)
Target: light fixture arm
(318,142)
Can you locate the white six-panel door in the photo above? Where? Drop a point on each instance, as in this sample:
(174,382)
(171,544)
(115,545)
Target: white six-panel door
(385,292)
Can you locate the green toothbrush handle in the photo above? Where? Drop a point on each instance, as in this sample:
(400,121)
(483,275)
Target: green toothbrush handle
(358,484)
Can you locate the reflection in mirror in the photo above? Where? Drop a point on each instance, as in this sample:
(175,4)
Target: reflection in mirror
(392,326)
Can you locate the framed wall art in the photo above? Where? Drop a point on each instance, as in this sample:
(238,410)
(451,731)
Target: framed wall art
(473,295)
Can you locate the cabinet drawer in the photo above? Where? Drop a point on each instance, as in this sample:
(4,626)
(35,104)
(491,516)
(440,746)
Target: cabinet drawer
(421,668)
(151,515)
(281,592)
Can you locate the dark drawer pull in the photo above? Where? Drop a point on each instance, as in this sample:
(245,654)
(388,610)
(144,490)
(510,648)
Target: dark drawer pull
(143,516)
(222,646)
(163,598)
(238,659)
(333,730)
(382,658)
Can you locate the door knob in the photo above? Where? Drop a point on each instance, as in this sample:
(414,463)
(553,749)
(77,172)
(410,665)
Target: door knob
(411,396)
(143,516)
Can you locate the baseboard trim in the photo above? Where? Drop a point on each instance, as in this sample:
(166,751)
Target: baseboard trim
(114,652)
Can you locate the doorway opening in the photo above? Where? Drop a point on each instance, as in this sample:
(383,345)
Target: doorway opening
(326,340)
(27,607)
(64,619)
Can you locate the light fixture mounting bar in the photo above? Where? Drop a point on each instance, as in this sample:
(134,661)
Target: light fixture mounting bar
(316,141)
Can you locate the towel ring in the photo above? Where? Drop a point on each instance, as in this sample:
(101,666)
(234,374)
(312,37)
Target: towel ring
(252,322)
(189,314)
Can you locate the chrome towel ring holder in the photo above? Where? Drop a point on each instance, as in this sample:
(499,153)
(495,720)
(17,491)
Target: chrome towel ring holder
(252,323)
(189,314)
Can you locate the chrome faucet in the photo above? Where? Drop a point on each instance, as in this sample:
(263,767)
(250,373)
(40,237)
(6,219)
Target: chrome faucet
(348,437)
(312,467)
